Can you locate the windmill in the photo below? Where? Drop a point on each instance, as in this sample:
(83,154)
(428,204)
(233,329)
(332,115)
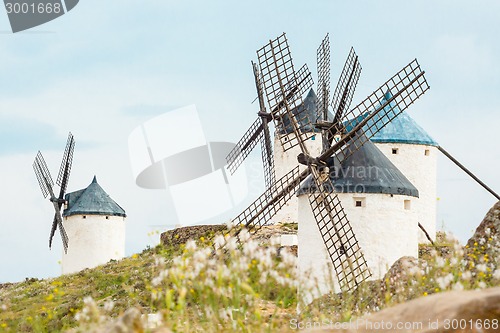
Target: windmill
(284,88)
(259,132)
(46,185)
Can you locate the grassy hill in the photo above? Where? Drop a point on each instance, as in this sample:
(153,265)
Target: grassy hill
(249,286)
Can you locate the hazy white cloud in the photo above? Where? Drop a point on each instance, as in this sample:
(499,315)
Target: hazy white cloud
(464,59)
(112,65)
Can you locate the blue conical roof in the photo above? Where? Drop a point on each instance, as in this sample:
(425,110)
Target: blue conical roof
(92,200)
(309,108)
(402,129)
(367,170)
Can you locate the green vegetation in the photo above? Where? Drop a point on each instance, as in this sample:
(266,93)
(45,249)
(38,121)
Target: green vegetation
(247,287)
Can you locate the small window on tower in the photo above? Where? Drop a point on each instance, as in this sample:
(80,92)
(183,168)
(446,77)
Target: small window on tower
(107,217)
(395,151)
(427,152)
(359,202)
(407,204)
(84,217)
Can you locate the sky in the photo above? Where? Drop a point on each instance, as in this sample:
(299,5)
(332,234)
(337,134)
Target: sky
(108,66)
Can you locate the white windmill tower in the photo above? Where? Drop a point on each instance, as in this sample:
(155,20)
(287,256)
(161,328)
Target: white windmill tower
(95,223)
(414,152)
(93,230)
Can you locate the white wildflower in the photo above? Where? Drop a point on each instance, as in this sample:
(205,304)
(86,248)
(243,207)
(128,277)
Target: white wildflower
(230,224)
(79,316)
(457,246)
(481,267)
(250,247)
(191,245)
(88,300)
(458,286)
(109,305)
(414,270)
(159,261)
(3,307)
(496,274)
(219,241)
(467,275)
(482,285)
(226,314)
(440,262)
(231,244)
(454,261)
(487,231)
(445,281)
(244,235)
(201,255)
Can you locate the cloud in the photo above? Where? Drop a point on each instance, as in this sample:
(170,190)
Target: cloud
(464,58)
(140,110)
(24,135)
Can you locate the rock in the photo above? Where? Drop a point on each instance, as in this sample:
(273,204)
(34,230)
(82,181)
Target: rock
(400,268)
(264,235)
(486,239)
(398,275)
(450,312)
(180,236)
(5,285)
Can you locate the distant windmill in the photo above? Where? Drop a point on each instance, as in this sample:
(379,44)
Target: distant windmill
(284,88)
(46,185)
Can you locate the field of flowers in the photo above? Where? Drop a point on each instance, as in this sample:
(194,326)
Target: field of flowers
(246,286)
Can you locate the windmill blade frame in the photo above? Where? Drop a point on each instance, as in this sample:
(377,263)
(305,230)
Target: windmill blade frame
(62,231)
(260,206)
(405,87)
(43,175)
(46,185)
(323,67)
(341,244)
(66,163)
(283,85)
(244,146)
(344,91)
(409,86)
(259,212)
(331,226)
(267,159)
(256,132)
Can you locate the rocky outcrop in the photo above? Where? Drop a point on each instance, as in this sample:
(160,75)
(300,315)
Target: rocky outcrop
(486,239)
(180,236)
(264,235)
(450,312)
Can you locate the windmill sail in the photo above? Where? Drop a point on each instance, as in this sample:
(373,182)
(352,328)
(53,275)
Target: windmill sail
(46,185)
(340,241)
